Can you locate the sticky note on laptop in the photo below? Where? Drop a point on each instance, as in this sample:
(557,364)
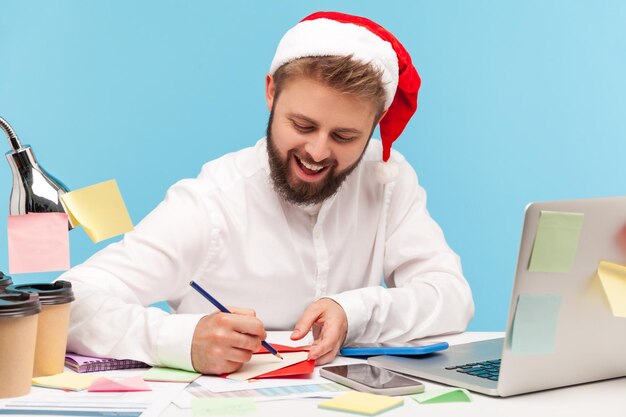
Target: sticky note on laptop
(613,279)
(362,403)
(38,242)
(534,325)
(556,241)
(99,209)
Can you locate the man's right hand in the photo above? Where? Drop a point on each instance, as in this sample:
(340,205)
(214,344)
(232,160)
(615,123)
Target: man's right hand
(223,342)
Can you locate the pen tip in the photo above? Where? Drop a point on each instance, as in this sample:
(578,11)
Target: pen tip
(279,355)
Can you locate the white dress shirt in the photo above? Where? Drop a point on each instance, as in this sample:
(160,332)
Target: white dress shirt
(231,232)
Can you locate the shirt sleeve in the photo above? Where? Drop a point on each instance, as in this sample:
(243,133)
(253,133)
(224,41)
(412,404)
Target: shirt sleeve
(426,292)
(109,317)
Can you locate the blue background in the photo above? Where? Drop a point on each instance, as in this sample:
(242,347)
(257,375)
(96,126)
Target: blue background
(520,101)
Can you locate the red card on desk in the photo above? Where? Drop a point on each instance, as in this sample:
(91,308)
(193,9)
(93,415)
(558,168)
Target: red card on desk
(264,364)
(300,368)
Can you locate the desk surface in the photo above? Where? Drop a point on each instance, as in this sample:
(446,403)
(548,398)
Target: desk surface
(605,398)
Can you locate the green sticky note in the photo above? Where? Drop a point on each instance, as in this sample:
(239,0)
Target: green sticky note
(443,395)
(534,325)
(556,241)
(169,375)
(222,406)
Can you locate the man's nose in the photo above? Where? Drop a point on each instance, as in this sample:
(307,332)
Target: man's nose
(318,147)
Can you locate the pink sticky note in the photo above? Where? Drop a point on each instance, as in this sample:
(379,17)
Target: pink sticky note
(122,385)
(38,242)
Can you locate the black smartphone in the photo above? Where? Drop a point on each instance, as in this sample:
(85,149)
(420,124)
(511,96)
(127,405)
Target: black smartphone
(368,378)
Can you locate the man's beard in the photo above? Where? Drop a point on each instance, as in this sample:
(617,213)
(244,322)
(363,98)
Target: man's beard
(298,191)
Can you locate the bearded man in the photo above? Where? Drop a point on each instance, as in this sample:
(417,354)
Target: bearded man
(299,229)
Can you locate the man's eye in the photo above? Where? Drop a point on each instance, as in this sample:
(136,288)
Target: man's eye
(340,138)
(303,128)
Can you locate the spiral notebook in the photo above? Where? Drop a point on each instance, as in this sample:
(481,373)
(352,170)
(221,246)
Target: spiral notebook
(80,363)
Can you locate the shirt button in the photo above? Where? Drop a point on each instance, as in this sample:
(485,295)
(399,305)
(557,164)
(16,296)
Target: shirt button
(316,234)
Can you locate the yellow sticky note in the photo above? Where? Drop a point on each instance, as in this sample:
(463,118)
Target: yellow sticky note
(362,403)
(613,278)
(100,209)
(66,380)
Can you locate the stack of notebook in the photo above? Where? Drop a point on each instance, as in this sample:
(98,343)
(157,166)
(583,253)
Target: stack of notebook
(80,363)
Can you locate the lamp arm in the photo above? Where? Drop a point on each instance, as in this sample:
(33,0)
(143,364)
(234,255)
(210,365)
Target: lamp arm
(13,139)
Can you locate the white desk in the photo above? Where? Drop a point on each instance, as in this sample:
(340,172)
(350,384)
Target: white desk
(598,399)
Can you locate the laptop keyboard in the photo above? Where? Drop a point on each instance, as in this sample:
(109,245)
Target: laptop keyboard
(485,369)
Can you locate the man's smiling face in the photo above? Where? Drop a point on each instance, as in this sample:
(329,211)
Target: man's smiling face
(316,136)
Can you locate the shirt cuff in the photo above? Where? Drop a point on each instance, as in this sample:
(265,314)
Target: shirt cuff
(174,340)
(355,312)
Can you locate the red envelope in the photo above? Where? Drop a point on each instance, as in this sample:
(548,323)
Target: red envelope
(300,368)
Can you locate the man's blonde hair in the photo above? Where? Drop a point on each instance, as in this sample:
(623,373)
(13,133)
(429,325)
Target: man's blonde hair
(342,73)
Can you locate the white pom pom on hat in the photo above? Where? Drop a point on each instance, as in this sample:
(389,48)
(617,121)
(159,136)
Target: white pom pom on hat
(340,34)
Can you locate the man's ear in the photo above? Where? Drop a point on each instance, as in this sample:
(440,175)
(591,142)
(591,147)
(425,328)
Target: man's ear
(381,116)
(270,91)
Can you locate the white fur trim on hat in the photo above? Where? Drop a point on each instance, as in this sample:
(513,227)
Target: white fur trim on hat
(326,37)
(386,172)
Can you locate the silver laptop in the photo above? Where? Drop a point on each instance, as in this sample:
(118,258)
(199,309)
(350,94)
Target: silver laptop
(587,342)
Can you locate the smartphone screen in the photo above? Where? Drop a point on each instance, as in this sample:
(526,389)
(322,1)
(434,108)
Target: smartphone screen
(371,376)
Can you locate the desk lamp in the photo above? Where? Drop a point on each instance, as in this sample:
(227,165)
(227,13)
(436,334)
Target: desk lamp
(34,189)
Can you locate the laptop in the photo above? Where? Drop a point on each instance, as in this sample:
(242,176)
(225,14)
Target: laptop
(574,338)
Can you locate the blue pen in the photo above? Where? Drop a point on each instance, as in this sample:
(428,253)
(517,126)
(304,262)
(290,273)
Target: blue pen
(223,309)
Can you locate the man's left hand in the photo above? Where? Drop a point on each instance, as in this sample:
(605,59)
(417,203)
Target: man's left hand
(330,326)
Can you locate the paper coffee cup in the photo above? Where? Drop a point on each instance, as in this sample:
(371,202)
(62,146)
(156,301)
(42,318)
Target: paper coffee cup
(53,323)
(18,333)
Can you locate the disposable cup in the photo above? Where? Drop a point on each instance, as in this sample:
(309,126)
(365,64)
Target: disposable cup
(18,333)
(53,324)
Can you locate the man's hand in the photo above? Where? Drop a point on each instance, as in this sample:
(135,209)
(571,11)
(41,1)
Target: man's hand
(330,326)
(223,342)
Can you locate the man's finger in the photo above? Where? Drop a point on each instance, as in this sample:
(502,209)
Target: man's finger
(246,342)
(327,358)
(238,355)
(328,340)
(303,325)
(242,311)
(247,325)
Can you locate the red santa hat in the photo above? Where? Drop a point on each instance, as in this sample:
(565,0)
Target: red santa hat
(339,34)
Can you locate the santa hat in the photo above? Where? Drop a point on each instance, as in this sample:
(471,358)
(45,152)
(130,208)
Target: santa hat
(339,34)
